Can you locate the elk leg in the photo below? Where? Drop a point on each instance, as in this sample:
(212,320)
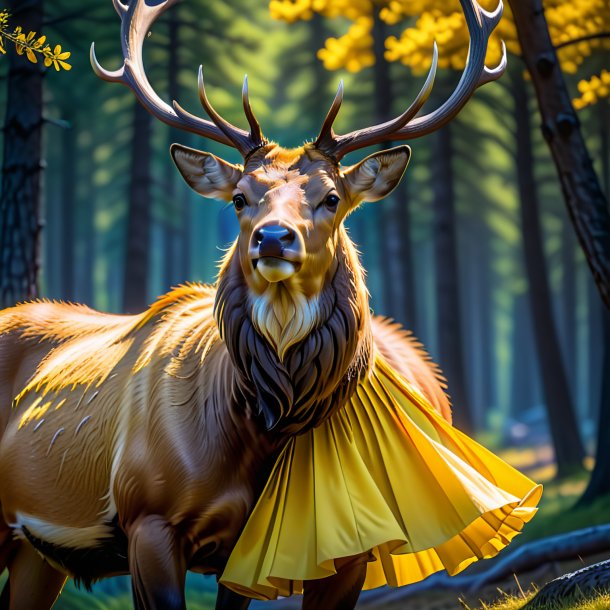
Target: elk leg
(229,600)
(157,566)
(339,591)
(33,584)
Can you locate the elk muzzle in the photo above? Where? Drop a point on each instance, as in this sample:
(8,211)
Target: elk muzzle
(277,251)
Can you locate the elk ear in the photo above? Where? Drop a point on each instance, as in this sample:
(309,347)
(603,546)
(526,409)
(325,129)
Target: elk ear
(205,173)
(378,175)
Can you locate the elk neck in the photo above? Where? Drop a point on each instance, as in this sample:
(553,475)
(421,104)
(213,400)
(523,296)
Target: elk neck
(297,387)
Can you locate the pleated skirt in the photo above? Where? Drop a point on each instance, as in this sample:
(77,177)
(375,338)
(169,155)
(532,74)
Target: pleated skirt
(385,475)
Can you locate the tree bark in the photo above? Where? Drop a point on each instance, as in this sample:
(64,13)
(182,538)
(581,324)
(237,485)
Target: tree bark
(176,233)
(583,196)
(568,305)
(524,367)
(563,425)
(604,144)
(88,236)
(20,205)
(399,292)
(478,320)
(574,588)
(599,483)
(68,212)
(450,337)
(137,247)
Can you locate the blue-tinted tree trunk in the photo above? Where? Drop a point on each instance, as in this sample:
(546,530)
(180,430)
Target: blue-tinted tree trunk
(20,202)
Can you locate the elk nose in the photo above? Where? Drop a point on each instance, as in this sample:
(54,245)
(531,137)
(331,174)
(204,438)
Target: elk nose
(272,239)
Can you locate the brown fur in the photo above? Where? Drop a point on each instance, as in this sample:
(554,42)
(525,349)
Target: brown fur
(160,429)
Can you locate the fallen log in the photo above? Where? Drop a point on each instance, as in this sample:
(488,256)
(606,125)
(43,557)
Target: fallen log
(524,558)
(574,587)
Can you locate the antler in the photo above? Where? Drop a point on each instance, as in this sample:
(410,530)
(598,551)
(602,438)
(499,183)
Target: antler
(136,21)
(480,25)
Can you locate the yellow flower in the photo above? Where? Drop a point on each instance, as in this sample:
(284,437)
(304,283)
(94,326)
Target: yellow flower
(58,59)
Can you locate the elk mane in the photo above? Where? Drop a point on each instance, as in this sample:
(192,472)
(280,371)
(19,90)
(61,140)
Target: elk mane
(318,373)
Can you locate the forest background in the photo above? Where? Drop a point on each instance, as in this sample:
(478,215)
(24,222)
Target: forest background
(475,252)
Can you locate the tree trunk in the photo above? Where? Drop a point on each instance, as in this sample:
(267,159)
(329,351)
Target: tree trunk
(524,368)
(604,144)
(591,379)
(568,297)
(398,297)
(478,320)
(176,225)
(485,320)
(583,196)
(20,222)
(398,219)
(88,236)
(563,425)
(450,339)
(68,212)
(137,247)
(599,484)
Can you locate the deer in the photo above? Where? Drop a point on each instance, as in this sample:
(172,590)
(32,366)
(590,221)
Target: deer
(138,444)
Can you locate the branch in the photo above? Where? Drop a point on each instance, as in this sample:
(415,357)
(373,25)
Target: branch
(561,45)
(527,557)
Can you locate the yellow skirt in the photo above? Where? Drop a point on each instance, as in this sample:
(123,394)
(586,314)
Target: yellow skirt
(386,474)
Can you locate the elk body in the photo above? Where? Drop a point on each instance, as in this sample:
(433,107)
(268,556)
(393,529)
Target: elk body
(139,444)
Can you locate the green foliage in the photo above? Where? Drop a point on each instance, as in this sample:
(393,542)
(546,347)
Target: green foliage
(32,45)
(77,599)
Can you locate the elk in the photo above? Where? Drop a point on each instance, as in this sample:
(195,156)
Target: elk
(139,444)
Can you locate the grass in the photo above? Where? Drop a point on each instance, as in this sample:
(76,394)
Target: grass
(511,602)
(115,594)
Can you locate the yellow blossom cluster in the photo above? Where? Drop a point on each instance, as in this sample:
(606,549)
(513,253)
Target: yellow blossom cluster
(443,21)
(31,45)
(293,10)
(353,51)
(578,20)
(448,28)
(592,90)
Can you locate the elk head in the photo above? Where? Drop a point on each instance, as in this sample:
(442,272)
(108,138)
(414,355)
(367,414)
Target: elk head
(290,205)
(293,270)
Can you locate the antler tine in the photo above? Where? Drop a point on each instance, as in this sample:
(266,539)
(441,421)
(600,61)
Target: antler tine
(372,135)
(480,25)
(119,7)
(491,74)
(327,134)
(242,140)
(255,128)
(136,20)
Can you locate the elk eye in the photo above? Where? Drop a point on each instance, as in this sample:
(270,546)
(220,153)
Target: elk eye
(331,202)
(239,201)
